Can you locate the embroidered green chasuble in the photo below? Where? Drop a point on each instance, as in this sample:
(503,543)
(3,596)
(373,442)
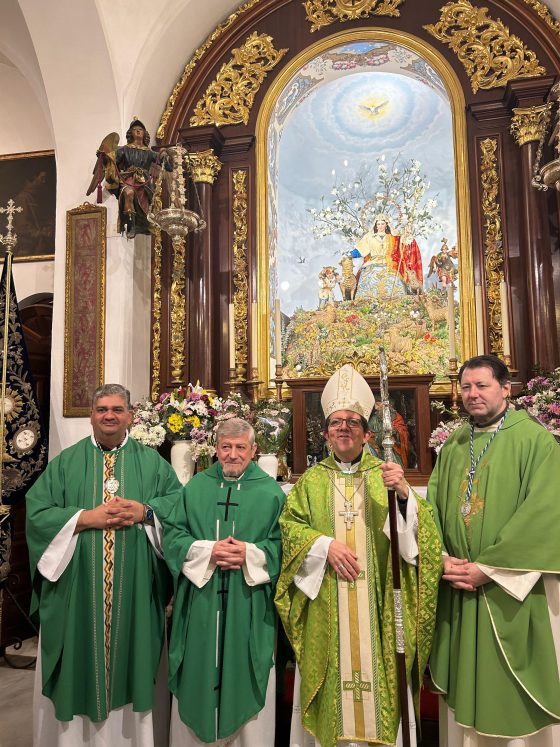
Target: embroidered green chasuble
(494,656)
(99,654)
(222,636)
(344,640)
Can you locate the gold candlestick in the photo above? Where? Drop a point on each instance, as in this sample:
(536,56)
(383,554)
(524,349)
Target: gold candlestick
(253,385)
(235,380)
(279,381)
(454,378)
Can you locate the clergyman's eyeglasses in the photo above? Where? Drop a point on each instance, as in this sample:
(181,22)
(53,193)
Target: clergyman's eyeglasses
(350,422)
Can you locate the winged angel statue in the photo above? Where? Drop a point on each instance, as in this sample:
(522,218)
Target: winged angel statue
(129,173)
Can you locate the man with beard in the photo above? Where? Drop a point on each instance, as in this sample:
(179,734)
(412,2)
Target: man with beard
(222,545)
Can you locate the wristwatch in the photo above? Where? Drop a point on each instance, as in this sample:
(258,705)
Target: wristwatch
(148,517)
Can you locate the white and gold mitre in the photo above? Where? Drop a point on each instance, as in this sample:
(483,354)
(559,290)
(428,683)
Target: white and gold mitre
(347,390)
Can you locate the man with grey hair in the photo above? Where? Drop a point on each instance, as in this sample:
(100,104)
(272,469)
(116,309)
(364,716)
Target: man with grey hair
(222,544)
(99,584)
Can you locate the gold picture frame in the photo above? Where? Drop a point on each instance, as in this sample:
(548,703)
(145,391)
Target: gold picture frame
(30,180)
(264,231)
(84,319)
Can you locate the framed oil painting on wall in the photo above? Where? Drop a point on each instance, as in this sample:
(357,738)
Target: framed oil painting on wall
(30,180)
(364,233)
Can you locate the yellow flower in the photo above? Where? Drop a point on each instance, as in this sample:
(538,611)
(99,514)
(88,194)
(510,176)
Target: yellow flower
(175,423)
(194,419)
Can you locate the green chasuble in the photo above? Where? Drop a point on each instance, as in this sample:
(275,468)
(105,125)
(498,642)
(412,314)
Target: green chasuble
(344,640)
(222,636)
(493,656)
(99,651)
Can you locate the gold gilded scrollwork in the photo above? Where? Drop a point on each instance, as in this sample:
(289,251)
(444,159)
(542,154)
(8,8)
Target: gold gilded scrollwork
(493,243)
(156,298)
(489,53)
(192,63)
(240,269)
(229,98)
(529,124)
(156,316)
(178,314)
(544,13)
(324,12)
(205,166)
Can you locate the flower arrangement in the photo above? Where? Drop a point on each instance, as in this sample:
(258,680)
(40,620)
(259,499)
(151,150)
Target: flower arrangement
(271,420)
(146,424)
(444,428)
(185,413)
(188,413)
(233,406)
(541,399)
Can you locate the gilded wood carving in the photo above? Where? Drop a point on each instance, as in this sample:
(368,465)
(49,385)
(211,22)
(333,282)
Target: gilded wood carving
(229,98)
(324,12)
(490,55)
(178,313)
(156,299)
(240,267)
(493,241)
(529,124)
(543,12)
(192,63)
(205,166)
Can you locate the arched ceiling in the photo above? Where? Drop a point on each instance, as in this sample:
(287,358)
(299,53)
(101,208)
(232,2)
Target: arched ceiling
(146,45)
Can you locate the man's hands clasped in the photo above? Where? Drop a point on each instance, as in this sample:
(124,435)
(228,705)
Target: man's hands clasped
(462,574)
(228,554)
(116,514)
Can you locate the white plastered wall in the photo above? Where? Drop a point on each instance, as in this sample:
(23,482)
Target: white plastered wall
(95,65)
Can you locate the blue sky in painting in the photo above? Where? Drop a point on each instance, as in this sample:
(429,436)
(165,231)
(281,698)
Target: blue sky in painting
(330,128)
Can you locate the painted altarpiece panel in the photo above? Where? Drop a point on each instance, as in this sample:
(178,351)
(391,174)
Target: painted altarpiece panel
(365,223)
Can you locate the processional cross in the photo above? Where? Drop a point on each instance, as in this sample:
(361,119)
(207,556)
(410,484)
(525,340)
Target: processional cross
(10,239)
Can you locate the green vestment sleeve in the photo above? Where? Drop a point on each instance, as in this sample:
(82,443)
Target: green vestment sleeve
(227,615)
(76,665)
(494,656)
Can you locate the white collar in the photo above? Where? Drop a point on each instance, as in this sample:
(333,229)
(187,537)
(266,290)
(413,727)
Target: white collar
(115,448)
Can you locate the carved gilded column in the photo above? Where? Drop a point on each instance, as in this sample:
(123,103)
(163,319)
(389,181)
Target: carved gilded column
(178,313)
(493,239)
(240,274)
(155,378)
(527,127)
(205,167)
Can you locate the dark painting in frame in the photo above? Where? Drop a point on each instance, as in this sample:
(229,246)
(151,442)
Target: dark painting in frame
(410,415)
(30,180)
